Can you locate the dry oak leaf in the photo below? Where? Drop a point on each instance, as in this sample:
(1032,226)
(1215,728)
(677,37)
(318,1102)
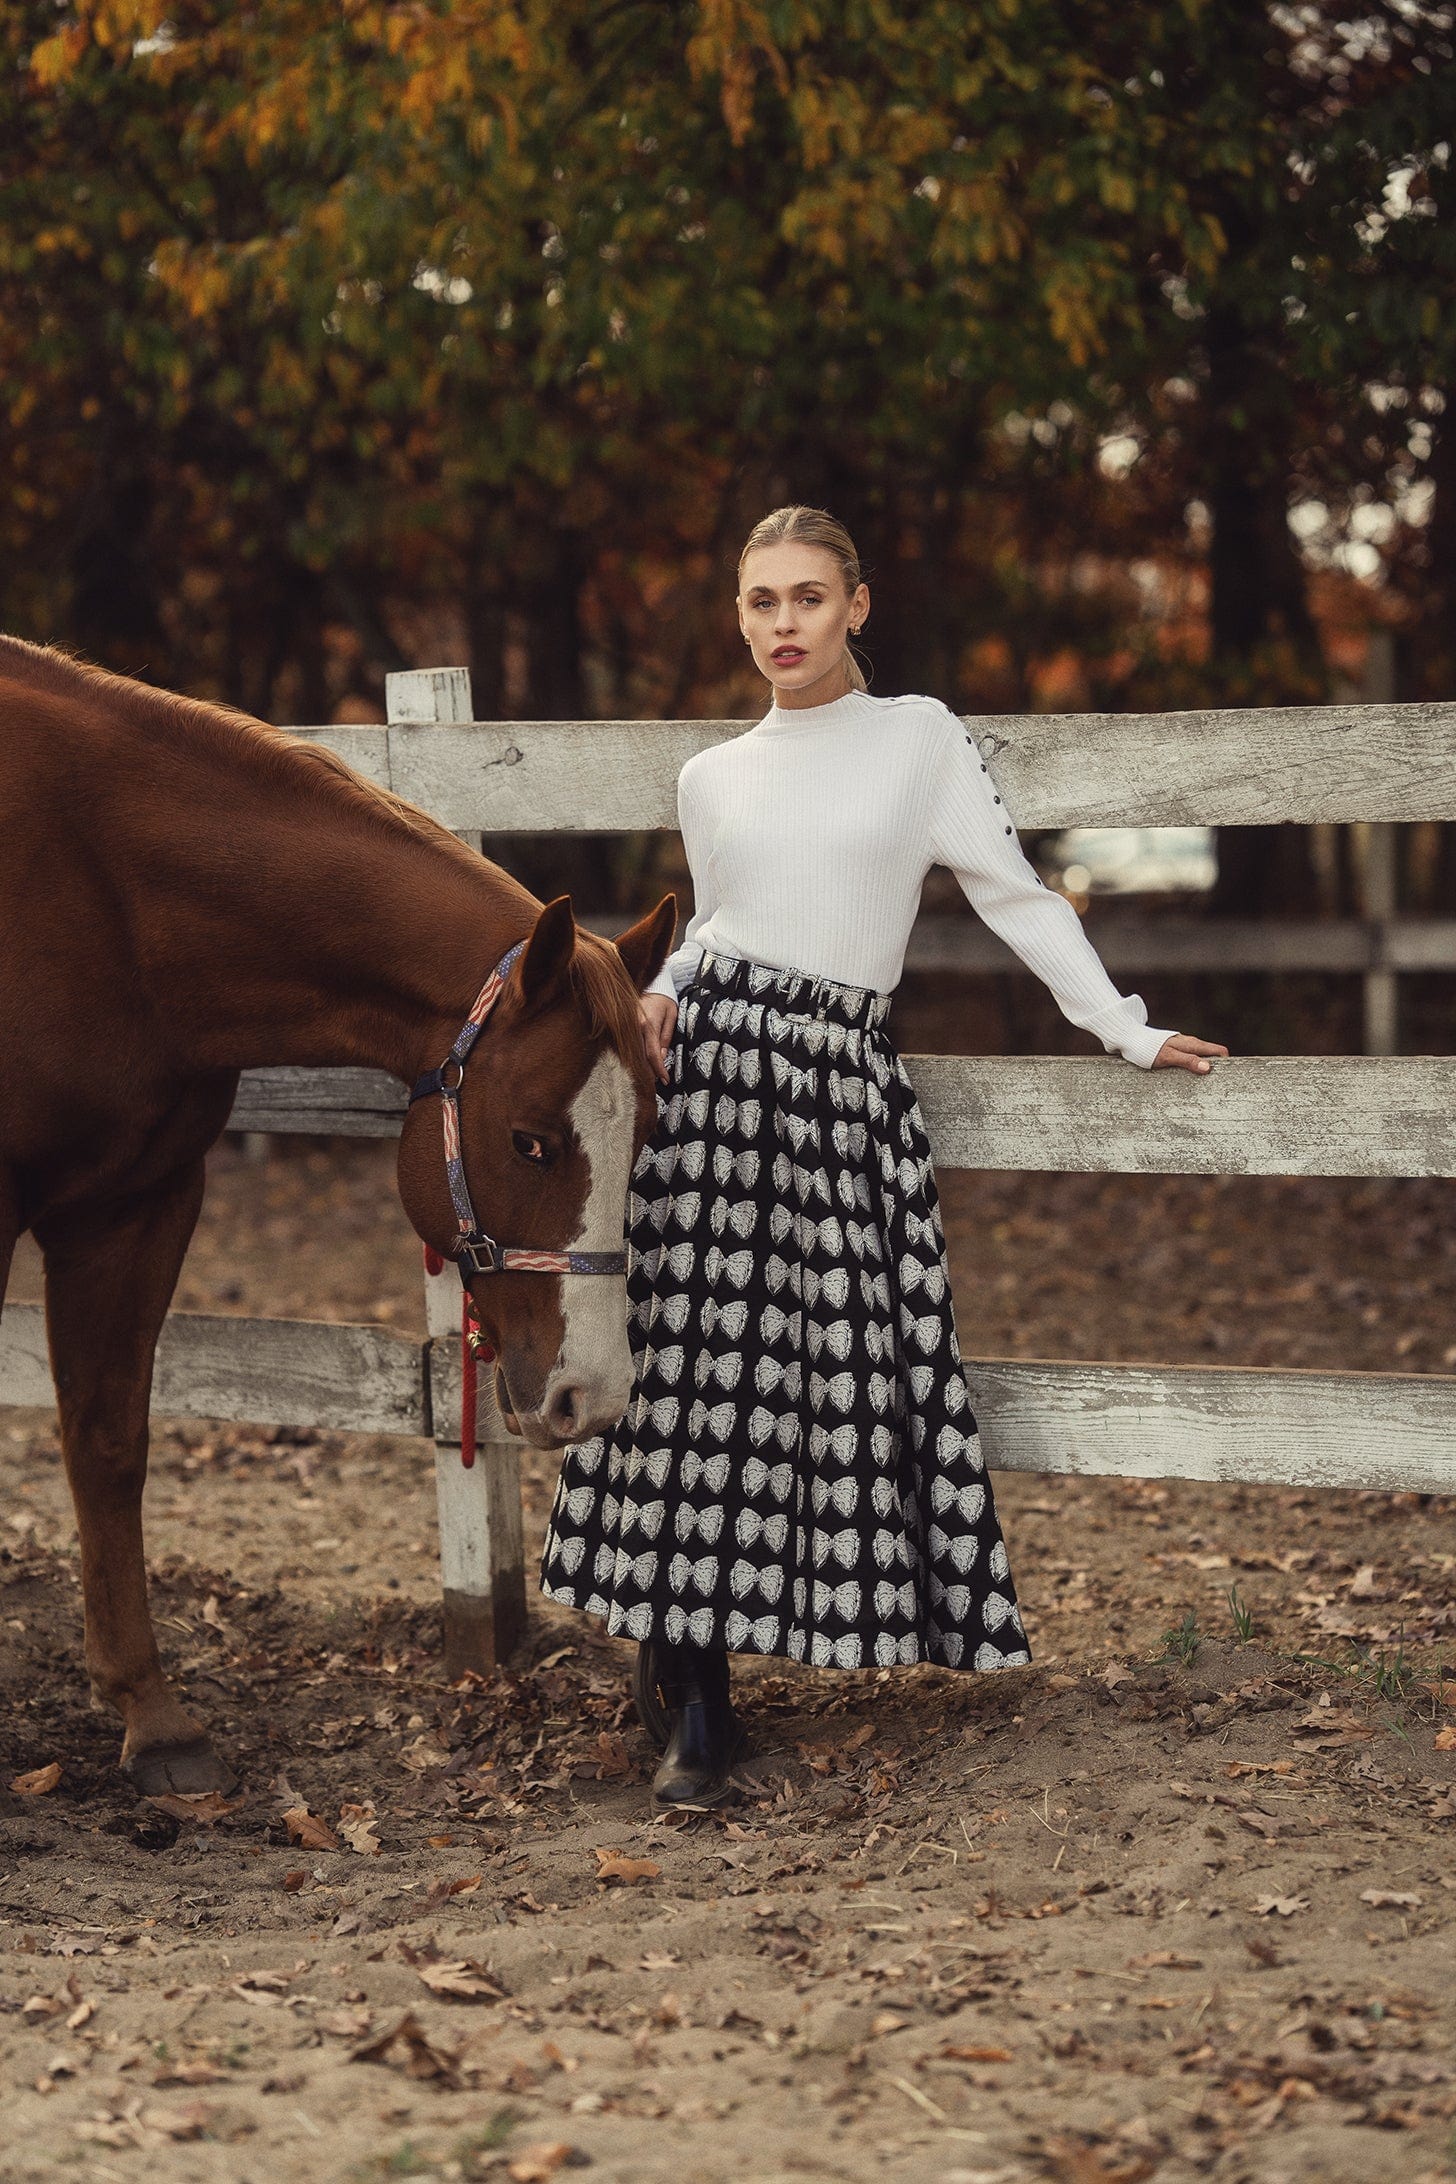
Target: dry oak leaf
(1284,1906)
(190,2122)
(614,1865)
(1390,1899)
(406,2047)
(461,1979)
(356,1825)
(197,2072)
(1446,1738)
(347,2024)
(308,1830)
(538,2164)
(422,1755)
(206,1807)
(1074,2162)
(39,1782)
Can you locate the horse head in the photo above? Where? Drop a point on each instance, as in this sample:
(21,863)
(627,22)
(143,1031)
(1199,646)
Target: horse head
(554,1106)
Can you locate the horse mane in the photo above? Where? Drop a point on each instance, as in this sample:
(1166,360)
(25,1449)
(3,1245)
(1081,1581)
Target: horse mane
(599,975)
(272,752)
(602,981)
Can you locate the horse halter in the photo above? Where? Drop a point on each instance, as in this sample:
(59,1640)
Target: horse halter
(475,1252)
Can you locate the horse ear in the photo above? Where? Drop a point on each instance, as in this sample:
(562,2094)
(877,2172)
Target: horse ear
(543,968)
(643,947)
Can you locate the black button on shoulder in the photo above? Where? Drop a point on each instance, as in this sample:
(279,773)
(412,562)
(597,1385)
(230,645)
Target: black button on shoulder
(1008,830)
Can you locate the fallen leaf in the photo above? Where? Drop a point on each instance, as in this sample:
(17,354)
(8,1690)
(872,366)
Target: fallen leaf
(1075,2162)
(1259,1823)
(1362,1584)
(190,2122)
(292,1882)
(423,1755)
(81,2015)
(1164,1960)
(39,1782)
(1390,1899)
(1115,1674)
(308,1831)
(356,1825)
(884,2022)
(347,2024)
(198,2072)
(537,2164)
(41,2006)
(614,1865)
(1330,1727)
(204,1807)
(462,1979)
(406,2047)
(953,2053)
(1446,1738)
(1285,1906)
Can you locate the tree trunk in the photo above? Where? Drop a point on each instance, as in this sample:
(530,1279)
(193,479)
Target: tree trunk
(115,617)
(1428,654)
(1264,645)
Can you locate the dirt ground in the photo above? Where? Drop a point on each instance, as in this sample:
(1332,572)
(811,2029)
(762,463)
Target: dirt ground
(1165,1904)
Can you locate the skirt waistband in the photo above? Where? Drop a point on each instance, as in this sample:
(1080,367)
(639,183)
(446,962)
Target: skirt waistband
(793,993)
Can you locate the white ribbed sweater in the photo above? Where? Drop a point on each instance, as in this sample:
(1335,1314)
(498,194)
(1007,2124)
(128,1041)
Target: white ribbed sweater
(809,839)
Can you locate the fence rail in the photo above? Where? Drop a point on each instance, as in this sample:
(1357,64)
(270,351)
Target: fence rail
(1291,1115)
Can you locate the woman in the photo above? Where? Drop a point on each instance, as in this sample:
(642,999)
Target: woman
(799,1470)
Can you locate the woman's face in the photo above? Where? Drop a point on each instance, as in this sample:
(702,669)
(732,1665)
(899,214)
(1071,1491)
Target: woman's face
(793,610)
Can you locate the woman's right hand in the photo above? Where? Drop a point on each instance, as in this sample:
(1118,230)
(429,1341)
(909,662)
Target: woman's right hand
(659,1021)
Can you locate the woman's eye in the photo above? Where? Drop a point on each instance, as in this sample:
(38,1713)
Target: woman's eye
(530,1147)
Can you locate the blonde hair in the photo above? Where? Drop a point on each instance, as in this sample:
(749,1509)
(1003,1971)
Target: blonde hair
(812,527)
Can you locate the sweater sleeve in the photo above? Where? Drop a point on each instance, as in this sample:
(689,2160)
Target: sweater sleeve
(681,967)
(971,833)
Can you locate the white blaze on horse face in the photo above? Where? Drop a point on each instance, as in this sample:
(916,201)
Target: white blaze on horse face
(595,1359)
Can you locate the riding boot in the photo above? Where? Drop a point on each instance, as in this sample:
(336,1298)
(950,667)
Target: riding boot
(704,1734)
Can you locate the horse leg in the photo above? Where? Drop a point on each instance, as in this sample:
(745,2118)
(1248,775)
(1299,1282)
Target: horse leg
(110,1274)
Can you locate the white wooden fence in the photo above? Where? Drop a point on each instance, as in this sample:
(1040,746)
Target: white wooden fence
(1354,1116)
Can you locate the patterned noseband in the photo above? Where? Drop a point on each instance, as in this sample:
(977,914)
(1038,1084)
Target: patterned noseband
(474,1252)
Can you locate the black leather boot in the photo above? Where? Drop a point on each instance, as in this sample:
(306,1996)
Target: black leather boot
(704,1734)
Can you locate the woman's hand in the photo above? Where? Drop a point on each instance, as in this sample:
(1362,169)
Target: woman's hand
(1183,1051)
(659,1020)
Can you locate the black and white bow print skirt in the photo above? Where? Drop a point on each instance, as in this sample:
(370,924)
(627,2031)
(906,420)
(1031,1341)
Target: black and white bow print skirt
(798,1471)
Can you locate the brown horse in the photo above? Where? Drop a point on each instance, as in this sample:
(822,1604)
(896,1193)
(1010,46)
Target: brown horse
(185,893)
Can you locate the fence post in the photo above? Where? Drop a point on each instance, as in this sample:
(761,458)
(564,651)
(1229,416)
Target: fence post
(482,1562)
(482,1567)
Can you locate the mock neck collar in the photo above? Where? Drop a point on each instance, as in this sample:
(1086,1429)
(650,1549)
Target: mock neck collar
(800,719)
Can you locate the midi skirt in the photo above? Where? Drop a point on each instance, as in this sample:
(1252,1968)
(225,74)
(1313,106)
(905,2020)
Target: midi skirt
(798,1471)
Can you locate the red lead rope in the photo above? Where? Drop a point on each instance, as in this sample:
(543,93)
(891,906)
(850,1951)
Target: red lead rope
(473,1348)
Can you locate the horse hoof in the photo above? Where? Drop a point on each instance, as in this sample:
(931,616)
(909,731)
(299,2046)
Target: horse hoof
(179,1770)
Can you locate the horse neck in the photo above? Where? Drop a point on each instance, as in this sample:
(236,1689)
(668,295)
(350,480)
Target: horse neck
(326,936)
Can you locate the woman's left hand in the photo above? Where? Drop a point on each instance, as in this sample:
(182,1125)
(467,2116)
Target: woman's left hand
(1183,1051)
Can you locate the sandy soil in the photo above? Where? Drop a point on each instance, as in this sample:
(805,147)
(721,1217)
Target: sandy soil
(1163,1905)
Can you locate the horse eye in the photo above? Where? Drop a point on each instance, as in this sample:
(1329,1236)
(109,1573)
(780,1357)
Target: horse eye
(530,1147)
